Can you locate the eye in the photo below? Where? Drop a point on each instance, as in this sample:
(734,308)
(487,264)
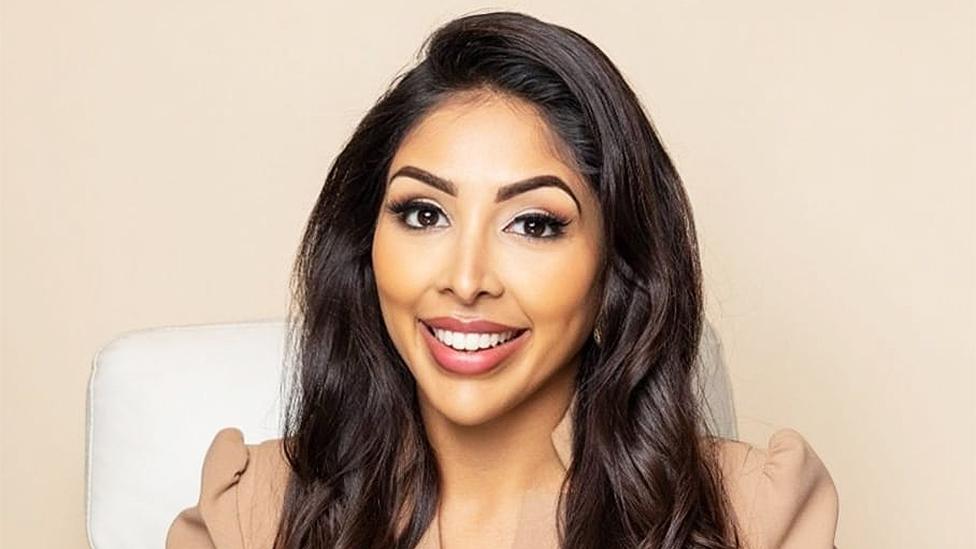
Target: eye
(420,215)
(541,226)
(416,214)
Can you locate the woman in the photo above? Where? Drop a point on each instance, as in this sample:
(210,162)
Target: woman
(498,309)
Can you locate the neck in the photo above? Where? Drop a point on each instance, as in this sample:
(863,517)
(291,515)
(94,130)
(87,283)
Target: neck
(494,464)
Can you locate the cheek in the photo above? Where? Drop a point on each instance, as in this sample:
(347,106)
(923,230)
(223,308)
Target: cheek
(399,275)
(399,281)
(393,281)
(556,289)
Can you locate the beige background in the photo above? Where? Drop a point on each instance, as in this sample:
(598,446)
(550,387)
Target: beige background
(159,160)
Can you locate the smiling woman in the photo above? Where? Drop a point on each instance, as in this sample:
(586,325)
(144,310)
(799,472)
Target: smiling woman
(497,315)
(505,239)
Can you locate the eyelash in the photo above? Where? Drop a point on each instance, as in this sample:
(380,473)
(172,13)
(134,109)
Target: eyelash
(401,208)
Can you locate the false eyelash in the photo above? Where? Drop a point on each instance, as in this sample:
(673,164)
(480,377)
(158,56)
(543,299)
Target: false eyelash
(399,207)
(557,223)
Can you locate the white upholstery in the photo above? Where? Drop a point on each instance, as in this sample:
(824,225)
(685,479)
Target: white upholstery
(716,386)
(157,397)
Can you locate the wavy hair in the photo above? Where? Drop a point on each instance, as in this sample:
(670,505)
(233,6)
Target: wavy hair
(363,472)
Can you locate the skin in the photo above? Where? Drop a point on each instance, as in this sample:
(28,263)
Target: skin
(491,432)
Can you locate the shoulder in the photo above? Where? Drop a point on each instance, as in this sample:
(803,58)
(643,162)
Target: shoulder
(782,495)
(241,493)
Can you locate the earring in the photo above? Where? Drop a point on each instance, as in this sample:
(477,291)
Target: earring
(597,323)
(597,336)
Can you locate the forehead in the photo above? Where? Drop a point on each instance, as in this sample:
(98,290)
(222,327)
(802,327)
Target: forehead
(486,138)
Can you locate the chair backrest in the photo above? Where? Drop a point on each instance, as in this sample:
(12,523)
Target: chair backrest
(156,398)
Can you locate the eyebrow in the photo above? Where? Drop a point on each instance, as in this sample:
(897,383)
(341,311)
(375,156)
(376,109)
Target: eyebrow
(504,193)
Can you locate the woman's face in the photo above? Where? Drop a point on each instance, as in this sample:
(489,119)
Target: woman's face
(465,245)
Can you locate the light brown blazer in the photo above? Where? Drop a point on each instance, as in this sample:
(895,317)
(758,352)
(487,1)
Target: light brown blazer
(783,496)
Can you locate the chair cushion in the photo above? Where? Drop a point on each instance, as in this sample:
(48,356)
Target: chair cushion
(155,399)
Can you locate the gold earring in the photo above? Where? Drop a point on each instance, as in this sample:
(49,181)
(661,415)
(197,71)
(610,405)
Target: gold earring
(597,322)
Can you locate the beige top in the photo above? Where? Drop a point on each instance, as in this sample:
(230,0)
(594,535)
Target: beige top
(783,496)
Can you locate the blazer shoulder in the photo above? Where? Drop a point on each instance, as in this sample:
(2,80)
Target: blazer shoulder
(783,496)
(241,492)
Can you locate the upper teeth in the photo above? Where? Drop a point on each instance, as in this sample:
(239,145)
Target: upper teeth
(469,341)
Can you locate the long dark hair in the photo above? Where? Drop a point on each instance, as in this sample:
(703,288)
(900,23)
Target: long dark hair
(363,472)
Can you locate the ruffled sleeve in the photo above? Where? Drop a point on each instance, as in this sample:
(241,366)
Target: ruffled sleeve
(783,496)
(213,523)
(241,494)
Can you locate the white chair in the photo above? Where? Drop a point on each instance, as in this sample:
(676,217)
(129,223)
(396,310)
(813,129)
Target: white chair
(156,398)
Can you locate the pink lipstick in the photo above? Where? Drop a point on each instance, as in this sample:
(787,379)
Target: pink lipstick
(471,362)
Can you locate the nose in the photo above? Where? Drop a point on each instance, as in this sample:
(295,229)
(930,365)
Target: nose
(470,269)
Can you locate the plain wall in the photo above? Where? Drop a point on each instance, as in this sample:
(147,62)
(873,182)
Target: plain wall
(160,159)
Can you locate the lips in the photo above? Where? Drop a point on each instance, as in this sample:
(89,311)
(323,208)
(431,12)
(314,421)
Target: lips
(459,325)
(473,362)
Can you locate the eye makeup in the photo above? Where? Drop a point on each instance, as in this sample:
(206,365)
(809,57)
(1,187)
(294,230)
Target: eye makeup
(553,223)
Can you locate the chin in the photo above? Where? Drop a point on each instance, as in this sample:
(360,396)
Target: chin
(467,404)
(468,417)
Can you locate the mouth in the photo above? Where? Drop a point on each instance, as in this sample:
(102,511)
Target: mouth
(472,359)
